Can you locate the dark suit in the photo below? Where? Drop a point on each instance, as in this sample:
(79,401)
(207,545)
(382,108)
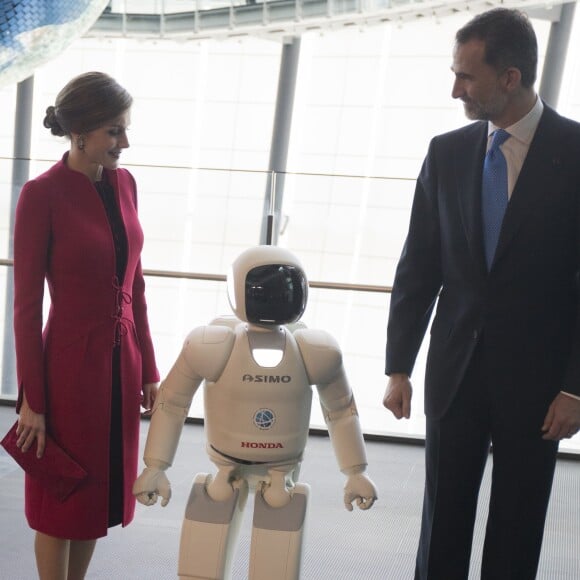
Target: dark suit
(503,343)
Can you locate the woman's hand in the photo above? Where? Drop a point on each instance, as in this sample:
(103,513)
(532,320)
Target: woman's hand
(31,426)
(149,397)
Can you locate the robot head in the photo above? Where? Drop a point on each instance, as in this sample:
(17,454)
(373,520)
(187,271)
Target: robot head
(267,285)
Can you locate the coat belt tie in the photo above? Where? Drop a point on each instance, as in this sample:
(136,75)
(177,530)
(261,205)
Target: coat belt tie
(121,322)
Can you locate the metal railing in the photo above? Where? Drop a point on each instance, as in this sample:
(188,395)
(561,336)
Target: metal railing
(222,278)
(200,19)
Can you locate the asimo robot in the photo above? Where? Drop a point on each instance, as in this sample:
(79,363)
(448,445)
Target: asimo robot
(257,415)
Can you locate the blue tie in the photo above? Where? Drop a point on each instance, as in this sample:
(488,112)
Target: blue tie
(494,194)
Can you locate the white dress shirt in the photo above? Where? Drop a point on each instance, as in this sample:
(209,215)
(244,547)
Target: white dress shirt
(516,147)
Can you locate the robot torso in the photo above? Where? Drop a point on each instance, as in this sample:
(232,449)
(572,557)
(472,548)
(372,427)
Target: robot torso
(259,414)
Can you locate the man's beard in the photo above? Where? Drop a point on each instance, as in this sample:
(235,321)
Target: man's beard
(477,111)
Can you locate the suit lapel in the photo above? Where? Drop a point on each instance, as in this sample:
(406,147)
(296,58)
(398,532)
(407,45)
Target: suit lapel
(536,180)
(469,155)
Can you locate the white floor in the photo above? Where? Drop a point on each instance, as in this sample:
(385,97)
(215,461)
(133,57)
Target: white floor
(374,545)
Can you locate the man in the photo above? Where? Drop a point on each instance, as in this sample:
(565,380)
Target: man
(504,356)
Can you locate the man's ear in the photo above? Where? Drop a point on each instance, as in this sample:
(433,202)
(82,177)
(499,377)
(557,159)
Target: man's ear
(512,78)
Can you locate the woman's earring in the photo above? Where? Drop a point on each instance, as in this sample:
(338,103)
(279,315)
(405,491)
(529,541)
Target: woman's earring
(81,142)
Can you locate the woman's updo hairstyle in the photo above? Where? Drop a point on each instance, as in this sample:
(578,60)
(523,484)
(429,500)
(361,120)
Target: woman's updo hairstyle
(86,103)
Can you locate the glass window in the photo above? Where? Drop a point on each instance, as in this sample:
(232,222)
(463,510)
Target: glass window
(367,103)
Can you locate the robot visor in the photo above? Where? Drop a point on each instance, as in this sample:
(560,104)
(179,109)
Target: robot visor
(275,293)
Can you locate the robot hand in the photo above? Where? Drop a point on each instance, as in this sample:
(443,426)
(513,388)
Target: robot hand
(150,484)
(360,488)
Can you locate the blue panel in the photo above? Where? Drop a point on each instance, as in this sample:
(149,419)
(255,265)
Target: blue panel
(33,31)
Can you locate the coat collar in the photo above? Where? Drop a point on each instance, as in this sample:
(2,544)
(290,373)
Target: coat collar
(469,155)
(62,166)
(536,179)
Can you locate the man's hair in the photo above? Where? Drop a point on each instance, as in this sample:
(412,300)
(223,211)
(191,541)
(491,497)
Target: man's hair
(510,41)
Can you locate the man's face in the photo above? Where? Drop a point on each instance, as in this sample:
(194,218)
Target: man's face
(481,87)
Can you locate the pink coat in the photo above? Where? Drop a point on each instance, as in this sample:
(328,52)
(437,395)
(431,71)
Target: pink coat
(62,235)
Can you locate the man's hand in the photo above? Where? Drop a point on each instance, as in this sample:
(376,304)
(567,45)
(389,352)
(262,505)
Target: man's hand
(563,418)
(398,395)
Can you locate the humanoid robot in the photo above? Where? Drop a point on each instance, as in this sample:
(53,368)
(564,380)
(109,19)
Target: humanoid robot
(258,371)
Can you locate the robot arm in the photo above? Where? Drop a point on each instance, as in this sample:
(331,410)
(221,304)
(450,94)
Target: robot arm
(169,414)
(323,361)
(167,419)
(203,356)
(341,416)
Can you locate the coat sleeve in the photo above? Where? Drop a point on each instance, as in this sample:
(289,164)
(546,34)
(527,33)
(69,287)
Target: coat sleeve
(149,369)
(32,238)
(418,276)
(149,366)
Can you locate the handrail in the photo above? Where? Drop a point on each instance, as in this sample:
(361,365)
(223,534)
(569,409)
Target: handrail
(222,278)
(232,170)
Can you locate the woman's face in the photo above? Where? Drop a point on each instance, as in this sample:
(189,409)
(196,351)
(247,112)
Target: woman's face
(103,146)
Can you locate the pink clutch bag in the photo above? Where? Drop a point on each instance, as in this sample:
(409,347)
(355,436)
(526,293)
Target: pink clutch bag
(56,470)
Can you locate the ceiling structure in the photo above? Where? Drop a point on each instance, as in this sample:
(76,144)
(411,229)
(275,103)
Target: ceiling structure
(199,19)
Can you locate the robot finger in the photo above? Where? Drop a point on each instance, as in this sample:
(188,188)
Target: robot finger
(364,503)
(148,498)
(348,504)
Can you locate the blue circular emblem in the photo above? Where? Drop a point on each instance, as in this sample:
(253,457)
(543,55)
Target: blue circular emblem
(264,419)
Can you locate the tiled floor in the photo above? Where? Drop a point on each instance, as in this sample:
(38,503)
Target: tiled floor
(374,545)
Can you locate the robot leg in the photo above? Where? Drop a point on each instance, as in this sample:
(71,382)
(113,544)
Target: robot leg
(277,534)
(209,532)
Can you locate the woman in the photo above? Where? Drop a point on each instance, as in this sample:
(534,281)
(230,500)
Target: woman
(83,378)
